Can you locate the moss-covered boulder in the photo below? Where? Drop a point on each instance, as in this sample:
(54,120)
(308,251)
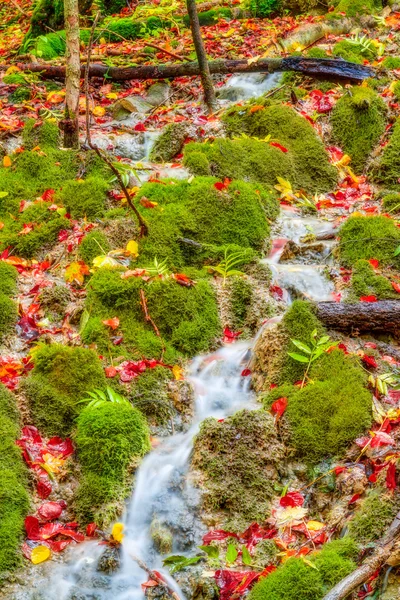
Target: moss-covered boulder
(391,203)
(387,169)
(109,439)
(358,122)
(355,51)
(84,198)
(59,380)
(373,516)
(302,158)
(369,238)
(237,461)
(366,282)
(95,243)
(356,8)
(169,143)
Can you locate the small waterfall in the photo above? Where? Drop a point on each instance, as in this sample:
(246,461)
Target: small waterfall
(161,491)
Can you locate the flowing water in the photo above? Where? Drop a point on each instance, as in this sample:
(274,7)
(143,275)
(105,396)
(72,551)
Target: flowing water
(162,491)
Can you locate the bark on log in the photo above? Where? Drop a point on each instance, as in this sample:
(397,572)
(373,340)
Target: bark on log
(315,67)
(384,548)
(363,316)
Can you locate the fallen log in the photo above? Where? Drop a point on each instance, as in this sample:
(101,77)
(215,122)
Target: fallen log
(314,67)
(363,316)
(383,550)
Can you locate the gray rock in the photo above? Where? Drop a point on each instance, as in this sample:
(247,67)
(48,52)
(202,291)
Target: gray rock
(131,104)
(158,94)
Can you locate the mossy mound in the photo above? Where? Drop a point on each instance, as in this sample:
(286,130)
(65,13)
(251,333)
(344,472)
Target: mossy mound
(55,300)
(241,295)
(295,579)
(391,62)
(374,516)
(358,122)
(149,393)
(354,52)
(369,237)
(365,282)
(46,135)
(14,499)
(235,216)
(84,198)
(355,8)
(95,243)
(131,28)
(387,169)
(60,378)
(305,163)
(331,410)
(169,143)
(187,318)
(211,17)
(263,8)
(109,438)
(8,279)
(237,460)
(8,315)
(391,203)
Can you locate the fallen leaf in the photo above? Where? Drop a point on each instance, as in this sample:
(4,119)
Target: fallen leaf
(132,248)
(279,406)
(7,162)
(40,554)
(177,372)
(113,323)
(99,111)
(117,532)
(76,272)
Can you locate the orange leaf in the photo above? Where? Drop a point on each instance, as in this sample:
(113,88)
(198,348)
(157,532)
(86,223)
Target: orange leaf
(177,372)
(76,272)
(256,108)
(7,161)
(113,323)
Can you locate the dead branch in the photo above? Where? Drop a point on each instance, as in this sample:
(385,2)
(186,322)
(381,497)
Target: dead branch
(160,49)
(155,577)
(384,548)
(100,154)
(147,316)
(361,316)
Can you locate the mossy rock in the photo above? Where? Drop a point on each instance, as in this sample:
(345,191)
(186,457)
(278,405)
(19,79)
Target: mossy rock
(84,198)
(132,29)
(8,279)
(296,579)
(391,62)
(211,17)
(369,237)
(59,380)
(241,296)
(365,282)
(8,316)
(55,299)
(46,135)
(237,460)
(387,169)
(169,143)
(95,243)
(391,203)
(356,8)
(373,517)
(331,410)
(108,438)
(150,394)
(305,164)
(358,122)
(48,15)
(354,52)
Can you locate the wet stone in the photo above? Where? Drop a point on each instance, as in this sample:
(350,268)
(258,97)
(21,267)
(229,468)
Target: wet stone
(110,560)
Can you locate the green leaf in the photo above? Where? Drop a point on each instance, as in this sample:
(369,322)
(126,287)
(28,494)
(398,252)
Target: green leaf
(178,562)
(323,340)
(211,551)
(301,346)
(3,194)
(246,556)
(231,554)
(298,357)
(397,251)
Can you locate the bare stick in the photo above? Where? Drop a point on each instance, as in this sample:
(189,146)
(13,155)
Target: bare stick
(177,56)
(100,154)
(155,577)
(18,7)
(143,302)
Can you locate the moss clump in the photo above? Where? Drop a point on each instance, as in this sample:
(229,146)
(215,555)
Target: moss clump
(354,52)
(388,167)
(211,17)
(95,243)
(84,198)
(60,378)
(241,295)
(237,459)
(45,135)
(149,393)
(14,499)
(8,279)
(374,516)
(132,29)
(369,237)
(8,315)
(187,318)
(169,143)
(306,162)
(55,299)
(391,203)
(295,579)
(358,122)
(391,62)
(355,8)
(108,438)
(322,419)
(365,282)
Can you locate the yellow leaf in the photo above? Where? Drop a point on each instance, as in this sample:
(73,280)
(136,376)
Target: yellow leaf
(40,554)
(52,464)
(76,272)
(7,161)
(253,60)
(105,261)
(112,96)
(99,111)
(177,372)
(132,248)
(314,525)
(117,532)
(12,70)
(228,33)
(55,97)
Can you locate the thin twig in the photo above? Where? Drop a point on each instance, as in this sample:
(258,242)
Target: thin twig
(100,154)
(177,56)
(155,577)
(143,302)
(21,10)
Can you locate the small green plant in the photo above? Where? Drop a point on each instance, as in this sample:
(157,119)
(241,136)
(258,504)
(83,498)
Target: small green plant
(98,398)
(311,353)
(363,41)
(125,171)
(178,562)
(159,268)
(226,266)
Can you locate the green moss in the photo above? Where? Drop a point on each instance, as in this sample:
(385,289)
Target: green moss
(374,516)
(335,561)
(8,315)
(391,62)
(318,53)
(46,134)
(47,15)
(387,169)
(95,243)
(20,94)
(150,394)
(354,52)
(132,29)
(369,237)
(108,439)
(358,122)
(241,295)
(262,8)
(396,90)
(8,279)
(211,17)
(237,460)
(55,299)
(365,282)
(98,499)
(306,164)
(169,143)
(197,162)
(354,8)
(84,198)
(60,378)
(391,203)
(322,419)
(43,236)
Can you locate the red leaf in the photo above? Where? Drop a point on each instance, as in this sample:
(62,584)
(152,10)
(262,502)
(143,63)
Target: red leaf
(58,546)
(113,323)
(110,372)
(279,406)
(354,499)
(369,361)
(59,447)
(50,510)
(339,470)
(91,529)
(370,345)
(396,287)
(47,195)
(131,369)
(43,488)
(148,584)
(374,262)
(246,372)
(230,336)
(254,533)
(222,185)
(32,528)
(292,499)
(217,535)
(391,476)
(368,299)
(279,146)
(50,530)
(139,127)
(75,535)
(382,439)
